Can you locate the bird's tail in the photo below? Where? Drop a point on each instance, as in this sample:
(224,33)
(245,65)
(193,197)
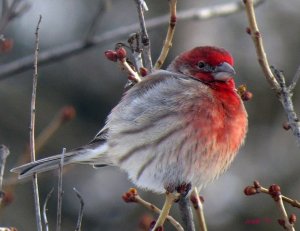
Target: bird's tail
(84,155)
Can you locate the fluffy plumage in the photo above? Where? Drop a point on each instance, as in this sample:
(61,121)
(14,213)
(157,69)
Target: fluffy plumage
(184,125)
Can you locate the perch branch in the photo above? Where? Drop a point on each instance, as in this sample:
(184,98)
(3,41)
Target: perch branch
(170,199)
(65,51)
(31,129)
(132,196)
(169,38)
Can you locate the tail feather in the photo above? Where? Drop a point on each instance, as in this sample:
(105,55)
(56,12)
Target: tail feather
(84,155)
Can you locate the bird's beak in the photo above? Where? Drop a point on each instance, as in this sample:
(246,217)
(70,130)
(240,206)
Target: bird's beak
(223,72)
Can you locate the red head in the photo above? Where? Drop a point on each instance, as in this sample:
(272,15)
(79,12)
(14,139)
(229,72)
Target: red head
(208,64)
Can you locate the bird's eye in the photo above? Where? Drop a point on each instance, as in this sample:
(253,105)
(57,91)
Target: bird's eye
(201,64)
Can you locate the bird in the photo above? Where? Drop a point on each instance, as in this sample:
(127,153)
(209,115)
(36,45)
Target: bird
(183,125)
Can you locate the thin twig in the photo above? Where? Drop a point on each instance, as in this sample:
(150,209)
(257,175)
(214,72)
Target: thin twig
(70,49)
(198,205)
(60,191)
(130,71)
(153,208)
(169,38)
(276,80)
(292,202)
(80,213)
(132,196)
(32,125)
(258,42)
(170,198)
(45,209)
(285,98)
(144,35)
(4,152)
(287,225)
(275,192)
(186,213)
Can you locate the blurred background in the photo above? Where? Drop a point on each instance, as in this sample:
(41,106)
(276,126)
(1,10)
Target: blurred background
(93,85)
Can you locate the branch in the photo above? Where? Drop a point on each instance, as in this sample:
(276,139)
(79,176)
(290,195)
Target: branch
(45,209)
(32,123)
(119,55)
(169,38)
(257,40)
(4,152)
(275,192)
(65,51)
(141,5)
(198,206)
(132,196)
(80,214)
(276,80)
(60,191)
(285,98)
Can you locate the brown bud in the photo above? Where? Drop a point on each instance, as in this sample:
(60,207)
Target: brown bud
(133,191)
(246,96)
(152,224)
(143,71)
(130,195)
(293,218)
(245,1)
(194,201)
(274,191)
(248,30)
(68,113)
(111,55)
(121,53)
(250,190)
(286,126)
(256,184)
(281,222)
(244,93)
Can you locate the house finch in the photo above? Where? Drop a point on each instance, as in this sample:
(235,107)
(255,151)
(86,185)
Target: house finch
(179,126)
